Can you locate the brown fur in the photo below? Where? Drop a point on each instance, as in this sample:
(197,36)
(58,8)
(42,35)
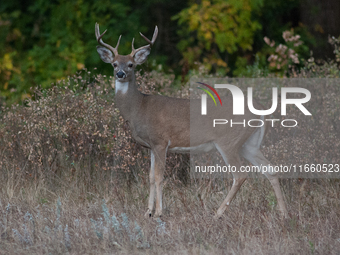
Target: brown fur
(163,123)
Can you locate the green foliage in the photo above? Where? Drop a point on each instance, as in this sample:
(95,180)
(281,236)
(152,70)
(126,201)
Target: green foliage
(321,68)
(275,58)
(258,69)
(48,41)
(287,55)
(213,29)
(287,59)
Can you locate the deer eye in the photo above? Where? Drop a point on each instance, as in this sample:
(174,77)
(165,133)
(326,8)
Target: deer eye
(114,64)
(130,65)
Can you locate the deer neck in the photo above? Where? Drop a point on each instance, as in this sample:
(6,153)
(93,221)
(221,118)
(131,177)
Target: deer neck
(128,98)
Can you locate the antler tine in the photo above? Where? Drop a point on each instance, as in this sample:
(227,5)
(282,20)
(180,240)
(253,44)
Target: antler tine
(154,37)
(155,33)
(118,43)
(133,48)
(101,42)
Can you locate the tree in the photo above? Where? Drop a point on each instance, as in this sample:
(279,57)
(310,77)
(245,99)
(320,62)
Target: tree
(46,41)
(214,29)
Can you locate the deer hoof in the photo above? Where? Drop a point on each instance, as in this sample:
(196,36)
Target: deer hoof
(217,217)
(148,214)
(285,215)
(157,215)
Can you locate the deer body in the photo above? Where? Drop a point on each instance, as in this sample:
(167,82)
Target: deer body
(163,125)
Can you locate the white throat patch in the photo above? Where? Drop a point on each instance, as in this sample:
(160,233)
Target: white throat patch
(122,87)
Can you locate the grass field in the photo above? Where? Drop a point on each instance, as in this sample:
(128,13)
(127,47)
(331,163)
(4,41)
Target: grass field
(74,182)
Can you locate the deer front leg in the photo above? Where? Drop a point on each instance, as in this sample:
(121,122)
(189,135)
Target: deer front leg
(159,154)
(148,213)
(156,180)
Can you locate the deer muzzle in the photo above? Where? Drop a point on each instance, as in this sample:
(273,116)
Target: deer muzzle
(120,74)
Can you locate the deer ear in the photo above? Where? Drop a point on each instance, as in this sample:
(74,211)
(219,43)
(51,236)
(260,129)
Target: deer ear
(105,54)
(141,55)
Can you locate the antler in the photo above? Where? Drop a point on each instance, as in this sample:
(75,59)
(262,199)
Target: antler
(100,41)
(155,33)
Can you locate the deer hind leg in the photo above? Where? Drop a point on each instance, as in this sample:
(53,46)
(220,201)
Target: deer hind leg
(252,153)
(239,179)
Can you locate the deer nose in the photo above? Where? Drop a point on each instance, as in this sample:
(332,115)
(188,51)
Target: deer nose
(121,74)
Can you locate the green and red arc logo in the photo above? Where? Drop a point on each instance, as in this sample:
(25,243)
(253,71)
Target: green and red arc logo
(209,93)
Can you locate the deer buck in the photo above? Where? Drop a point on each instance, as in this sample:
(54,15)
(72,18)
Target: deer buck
(162,124)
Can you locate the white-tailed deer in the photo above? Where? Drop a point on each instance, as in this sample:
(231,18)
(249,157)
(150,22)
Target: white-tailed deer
(162,124)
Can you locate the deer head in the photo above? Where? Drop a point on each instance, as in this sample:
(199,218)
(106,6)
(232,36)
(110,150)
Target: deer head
(124,66)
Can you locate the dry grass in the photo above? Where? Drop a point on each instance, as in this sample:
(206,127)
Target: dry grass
(34,221)
(73,181)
